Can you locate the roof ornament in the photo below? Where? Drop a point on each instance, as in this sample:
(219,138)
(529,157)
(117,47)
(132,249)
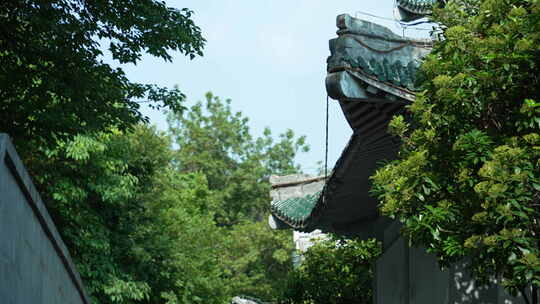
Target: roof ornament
(407,11)
(411,10)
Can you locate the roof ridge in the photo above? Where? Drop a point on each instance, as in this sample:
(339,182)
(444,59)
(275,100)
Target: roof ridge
(419,7)
(299,182)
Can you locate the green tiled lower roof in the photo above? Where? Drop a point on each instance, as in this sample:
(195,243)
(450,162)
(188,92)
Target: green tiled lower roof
(295,211)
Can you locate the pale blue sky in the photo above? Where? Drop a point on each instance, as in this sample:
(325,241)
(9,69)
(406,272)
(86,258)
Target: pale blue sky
(269,57)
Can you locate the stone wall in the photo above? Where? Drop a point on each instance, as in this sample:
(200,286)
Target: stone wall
(405,275)
(35,266)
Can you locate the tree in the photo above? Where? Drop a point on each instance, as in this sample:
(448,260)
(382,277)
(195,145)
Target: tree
(180,249)
(68,112)
(334,271)
(215,141)
(256,259)
(142,231)
(467,181)
(138,231)
(141,227)
(53,81)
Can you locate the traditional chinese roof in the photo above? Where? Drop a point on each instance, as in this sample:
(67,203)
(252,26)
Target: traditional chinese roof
(367,58)
(297,210)
(294,197)
(344,198)
(371,73)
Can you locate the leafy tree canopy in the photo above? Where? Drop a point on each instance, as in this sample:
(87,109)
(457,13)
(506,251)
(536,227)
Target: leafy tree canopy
(334,271)
(256,259)
(53,81)
(138,231)
(216,141)
(467,181)
(212,140)
(138,218)
(143,229)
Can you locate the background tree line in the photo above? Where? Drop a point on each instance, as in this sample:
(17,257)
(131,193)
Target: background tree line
(144,222)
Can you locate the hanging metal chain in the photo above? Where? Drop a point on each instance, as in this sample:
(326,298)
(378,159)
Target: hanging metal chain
(323,194)
(326,147)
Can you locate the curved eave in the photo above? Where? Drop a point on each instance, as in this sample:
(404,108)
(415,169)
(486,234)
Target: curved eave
(309,220)
(344,198)
(335,83)
(317,203)
(296,212)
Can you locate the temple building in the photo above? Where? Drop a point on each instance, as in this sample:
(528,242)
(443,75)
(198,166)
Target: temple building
(371,73)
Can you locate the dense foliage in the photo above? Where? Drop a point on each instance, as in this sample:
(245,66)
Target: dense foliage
(141,230)
(53,81)
(144,223)
(467,181)
(214,140)
(137,229)
(334,271)
(256,259)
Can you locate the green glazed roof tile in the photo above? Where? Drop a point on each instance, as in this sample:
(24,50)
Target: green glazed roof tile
(397,73)
(419,7)
(295,211)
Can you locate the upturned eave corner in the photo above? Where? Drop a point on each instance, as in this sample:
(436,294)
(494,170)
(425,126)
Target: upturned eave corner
(370,63)
(294,198)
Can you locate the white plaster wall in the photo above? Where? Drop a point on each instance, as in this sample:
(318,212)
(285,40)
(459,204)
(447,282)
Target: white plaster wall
(303,240)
